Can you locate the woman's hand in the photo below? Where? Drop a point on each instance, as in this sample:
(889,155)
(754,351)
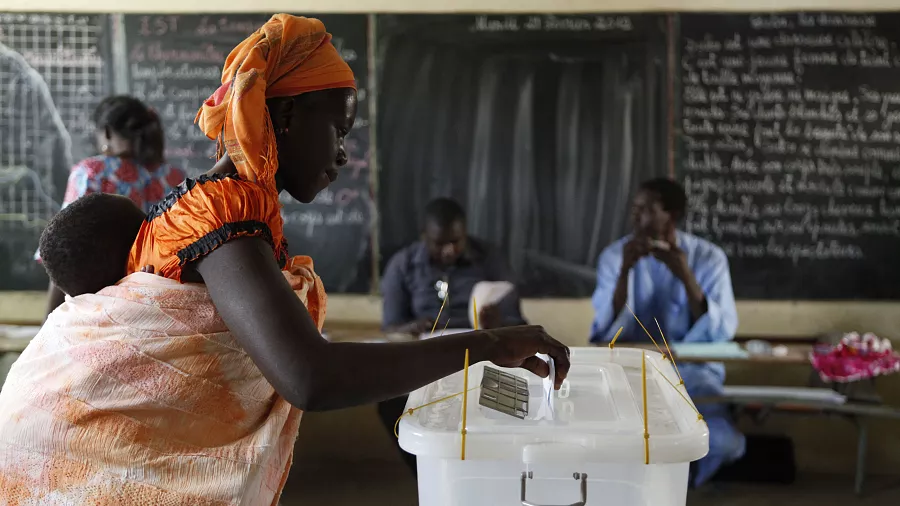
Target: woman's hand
(517,347)
(271,324)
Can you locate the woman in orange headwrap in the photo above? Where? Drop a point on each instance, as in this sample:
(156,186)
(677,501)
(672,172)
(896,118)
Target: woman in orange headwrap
(277,68)
(156,392)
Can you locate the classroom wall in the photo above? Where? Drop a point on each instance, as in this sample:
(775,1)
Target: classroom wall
(569,319)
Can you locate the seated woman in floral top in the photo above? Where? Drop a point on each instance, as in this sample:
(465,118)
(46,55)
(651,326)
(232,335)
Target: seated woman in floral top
(131,163)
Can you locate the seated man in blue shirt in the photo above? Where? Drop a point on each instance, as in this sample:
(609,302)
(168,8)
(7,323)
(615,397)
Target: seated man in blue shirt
(683,281)
(445,264)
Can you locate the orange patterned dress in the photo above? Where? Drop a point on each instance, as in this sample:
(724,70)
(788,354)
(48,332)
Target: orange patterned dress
(139,394)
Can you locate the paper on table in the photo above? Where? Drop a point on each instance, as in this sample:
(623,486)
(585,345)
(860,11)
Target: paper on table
(446,332)
(728,349)
(488,293)
(789,393)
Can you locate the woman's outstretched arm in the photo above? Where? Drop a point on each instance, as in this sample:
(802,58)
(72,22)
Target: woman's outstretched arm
(273,326)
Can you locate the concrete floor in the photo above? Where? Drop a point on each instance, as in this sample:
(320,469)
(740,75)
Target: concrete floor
(348,458)
(821,490)
(381,483)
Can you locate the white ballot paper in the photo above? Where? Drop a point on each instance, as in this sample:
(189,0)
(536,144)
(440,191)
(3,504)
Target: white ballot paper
(487,293)
(546,410)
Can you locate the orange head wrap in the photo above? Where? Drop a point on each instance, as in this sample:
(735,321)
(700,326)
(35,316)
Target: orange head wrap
(288,56)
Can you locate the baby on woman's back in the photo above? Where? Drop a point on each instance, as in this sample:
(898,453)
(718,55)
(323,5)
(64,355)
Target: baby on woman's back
(85,246)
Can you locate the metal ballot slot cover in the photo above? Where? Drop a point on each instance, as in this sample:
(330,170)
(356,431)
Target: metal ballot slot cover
(504,392)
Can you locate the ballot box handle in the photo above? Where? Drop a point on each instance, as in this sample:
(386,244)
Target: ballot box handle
(527,475)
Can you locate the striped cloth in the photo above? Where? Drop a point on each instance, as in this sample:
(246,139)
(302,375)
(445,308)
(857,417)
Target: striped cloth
(139,395)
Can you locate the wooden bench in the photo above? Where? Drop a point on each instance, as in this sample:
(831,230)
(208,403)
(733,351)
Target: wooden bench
(863,403)
(856,412)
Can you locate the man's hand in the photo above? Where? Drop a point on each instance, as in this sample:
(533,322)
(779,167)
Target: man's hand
(675,259)
(489,317)
(416,328)
(633,251)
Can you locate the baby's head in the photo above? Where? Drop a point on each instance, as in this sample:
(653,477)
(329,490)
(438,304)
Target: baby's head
(85,246)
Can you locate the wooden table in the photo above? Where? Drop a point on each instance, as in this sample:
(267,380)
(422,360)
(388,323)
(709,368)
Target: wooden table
(22,332)
(13,345)
(338,334)
(797,354)
(341,332)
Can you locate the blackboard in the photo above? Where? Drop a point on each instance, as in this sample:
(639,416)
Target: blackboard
(786,126)
(540,125)
(336,230)
(486,30)
(54,69)
(790,149)
(175,63)
(62,65)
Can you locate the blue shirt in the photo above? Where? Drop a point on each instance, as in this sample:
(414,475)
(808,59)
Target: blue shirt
(409,293)
(654,292)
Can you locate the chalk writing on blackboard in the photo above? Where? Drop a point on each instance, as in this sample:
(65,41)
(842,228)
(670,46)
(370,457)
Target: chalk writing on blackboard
(790,125)
(551,23)
(174,64)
